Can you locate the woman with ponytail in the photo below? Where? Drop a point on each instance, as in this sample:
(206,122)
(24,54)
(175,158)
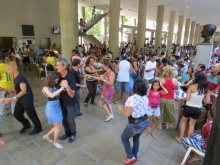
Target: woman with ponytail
(108,89)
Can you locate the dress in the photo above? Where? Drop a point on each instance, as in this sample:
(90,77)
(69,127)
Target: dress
(107,92)
(53,109)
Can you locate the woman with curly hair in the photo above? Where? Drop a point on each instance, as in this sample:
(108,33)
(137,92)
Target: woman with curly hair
(167,104)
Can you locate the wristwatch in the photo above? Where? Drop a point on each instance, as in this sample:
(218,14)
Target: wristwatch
(68,88)
(15,98)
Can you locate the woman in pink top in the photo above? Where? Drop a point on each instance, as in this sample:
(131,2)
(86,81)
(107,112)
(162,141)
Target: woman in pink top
(167,103)
(154,93)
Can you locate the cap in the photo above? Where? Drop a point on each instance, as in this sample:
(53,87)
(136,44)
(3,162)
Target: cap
(124,56)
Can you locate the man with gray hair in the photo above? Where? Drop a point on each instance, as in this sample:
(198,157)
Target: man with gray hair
(67,99)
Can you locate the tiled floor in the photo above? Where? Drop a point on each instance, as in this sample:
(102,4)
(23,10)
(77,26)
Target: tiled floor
(97,142)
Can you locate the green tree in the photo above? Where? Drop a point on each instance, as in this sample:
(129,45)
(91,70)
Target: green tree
(96,29)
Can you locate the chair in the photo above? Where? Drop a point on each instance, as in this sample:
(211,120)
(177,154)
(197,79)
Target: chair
(188,152)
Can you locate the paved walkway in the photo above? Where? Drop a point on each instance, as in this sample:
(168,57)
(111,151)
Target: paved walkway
(97,142)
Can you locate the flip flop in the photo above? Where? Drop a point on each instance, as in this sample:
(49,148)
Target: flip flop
(178,139)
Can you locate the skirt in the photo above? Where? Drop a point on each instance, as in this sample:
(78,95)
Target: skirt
(167,109)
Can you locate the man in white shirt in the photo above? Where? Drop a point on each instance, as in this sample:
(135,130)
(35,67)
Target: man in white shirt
(124,68)
(150,68)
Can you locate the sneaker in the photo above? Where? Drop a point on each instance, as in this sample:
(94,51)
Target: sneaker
(47,139)
(109,118)
(57,145)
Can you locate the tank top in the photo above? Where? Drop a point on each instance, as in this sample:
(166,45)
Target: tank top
(91,74)
(195,100)
(124,71)
(170,88)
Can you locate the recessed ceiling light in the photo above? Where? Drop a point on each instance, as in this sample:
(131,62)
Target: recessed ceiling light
(187,7)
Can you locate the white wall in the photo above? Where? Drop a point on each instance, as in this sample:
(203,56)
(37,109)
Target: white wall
(43,14)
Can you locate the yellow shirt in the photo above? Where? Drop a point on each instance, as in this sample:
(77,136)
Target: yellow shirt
(51,60)
(6,80)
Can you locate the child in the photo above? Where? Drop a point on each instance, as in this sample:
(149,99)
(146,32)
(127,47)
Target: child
(154,93)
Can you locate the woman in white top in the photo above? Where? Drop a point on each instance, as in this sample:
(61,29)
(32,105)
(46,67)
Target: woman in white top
(194,98)
(136,111)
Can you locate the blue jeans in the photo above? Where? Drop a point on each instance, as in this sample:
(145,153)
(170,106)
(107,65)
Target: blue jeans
(133,130)
(77,105)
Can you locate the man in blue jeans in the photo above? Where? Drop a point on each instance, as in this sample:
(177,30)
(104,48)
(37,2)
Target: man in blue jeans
(67,99)
(124,68)
(75,72)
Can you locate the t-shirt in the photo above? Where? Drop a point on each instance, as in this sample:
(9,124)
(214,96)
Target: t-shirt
(76,75)
(29,94)
(206,133)
(65,99)
(154,99)
(77,57)
(6,80)
(38,51)
(138,104)
(213,82)
(149,65)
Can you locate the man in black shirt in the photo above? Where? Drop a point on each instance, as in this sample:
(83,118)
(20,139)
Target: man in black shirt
(67,99)
(25,101)
(75,72)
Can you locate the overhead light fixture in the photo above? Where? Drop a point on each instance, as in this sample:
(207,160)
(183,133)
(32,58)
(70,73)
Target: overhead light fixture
(187,7)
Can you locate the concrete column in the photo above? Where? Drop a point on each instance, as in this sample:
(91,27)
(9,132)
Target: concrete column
(165,38)
(186,33)
(196,34)
(133,35)
(200,30)
(151,38)
(174,38)
(180,29)
(133,32)
(192,32)
(170,31)
(83,13)
(69,26)
(122,23)
(106,28)
(159,21)
(114,15)
(142,12)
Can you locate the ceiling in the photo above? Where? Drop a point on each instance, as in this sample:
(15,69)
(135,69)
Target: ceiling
(201,11)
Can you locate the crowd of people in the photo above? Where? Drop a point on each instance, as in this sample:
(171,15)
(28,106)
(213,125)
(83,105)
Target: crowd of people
(143,82)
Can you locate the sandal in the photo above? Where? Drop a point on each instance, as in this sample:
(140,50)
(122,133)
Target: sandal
(130,161)
(47,139)
(178,139)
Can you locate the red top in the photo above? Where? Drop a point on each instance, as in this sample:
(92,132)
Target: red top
(206,133)
(170,88)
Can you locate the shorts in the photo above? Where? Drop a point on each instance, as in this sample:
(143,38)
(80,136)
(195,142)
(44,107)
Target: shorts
(26,60)
(126,87)
(192,112)
(153,111)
